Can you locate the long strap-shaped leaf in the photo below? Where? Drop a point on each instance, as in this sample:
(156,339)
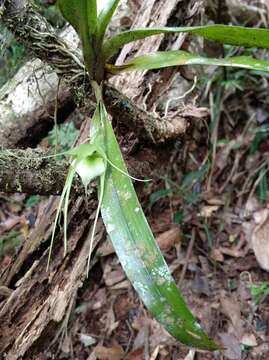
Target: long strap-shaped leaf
(104,15)
(161,59)
(82,15)
(235,35)
(136,248)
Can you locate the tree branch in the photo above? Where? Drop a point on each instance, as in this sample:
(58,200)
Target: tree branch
(27,171)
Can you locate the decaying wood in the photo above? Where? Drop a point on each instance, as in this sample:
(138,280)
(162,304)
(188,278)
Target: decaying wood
(150,128)
(28,103)
(41,300)
(34,99)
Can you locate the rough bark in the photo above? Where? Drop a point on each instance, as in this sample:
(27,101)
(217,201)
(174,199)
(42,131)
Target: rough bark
(28,103)
(31,173)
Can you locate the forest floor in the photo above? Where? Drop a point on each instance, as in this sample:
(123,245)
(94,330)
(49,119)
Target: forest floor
(208,208)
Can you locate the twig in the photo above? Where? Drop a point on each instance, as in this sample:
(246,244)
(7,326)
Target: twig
(189,250)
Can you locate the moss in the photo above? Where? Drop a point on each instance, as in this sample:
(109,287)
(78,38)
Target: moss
(27,171)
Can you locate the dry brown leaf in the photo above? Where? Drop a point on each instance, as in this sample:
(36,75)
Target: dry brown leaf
(137,354)
(99,299)
(232,346)
(260,238)
(10,223)
(122,307)
(247,12)
(111,323)
(159,336)
(233,252)
(142,338)
(169,238)
(155,353)
(231,308)
(114,277)
(125,284)
(217,255)
(106,248)
(140,322)
(261,351)
(200,284)
(109,353)
(208,210)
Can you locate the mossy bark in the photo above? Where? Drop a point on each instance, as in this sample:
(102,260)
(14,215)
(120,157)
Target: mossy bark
(27,171)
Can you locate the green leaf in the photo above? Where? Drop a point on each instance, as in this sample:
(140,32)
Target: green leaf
(159,194)
(259,292)
(161,59)
(105,13)
(263,185)
(82,15)
(135,245)
(178,218)
(193,176)
(234,35)
(32,200)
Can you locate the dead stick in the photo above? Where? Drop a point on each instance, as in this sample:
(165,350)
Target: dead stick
(189,250)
